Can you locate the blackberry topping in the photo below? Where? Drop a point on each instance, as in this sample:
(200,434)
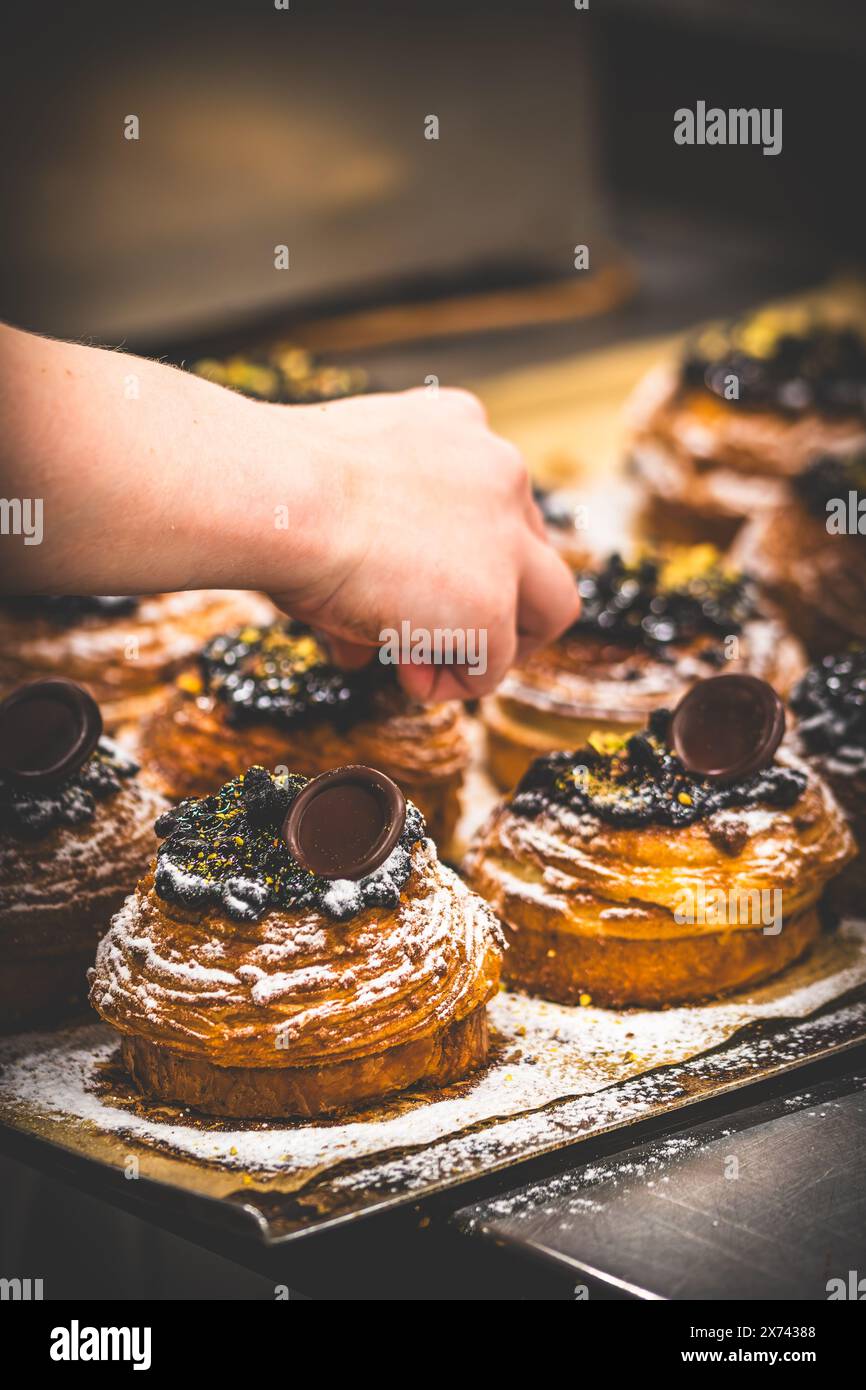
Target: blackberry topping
(68,609)
(662,603)
(28,815)
(782,361)
(281,673)
(226,852)
(286,375)
(828,478)
(830,704)
(638,781)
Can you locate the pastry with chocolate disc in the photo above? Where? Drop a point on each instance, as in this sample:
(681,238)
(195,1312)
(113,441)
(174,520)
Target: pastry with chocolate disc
(270,695)
(627,873)
(124,648)
(646,632)
(809,553)
(715,435)
(76,829)
(297,948)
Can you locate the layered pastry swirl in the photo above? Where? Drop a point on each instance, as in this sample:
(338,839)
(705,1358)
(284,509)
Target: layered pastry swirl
(67,857)
(714,435)
(122,648)
(244,985)
(830,707)
(602,856)
(647,631)
(809,554)
(269,695)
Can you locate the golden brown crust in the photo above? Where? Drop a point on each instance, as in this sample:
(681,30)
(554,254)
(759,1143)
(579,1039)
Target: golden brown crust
(58,894)
(707,465)
(609,901)
(441,1057)
(191,748)
(125,661)
(580,685)
(818,580)
(616,974)
(299,991)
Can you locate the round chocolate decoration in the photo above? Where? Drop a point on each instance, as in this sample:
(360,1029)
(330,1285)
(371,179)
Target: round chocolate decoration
(48,729)
(728,727)
(345,823)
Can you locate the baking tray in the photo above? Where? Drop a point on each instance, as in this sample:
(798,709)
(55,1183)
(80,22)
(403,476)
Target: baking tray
(63,1096)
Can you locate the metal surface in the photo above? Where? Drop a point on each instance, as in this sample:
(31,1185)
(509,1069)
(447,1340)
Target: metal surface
(233,1211)
(769,1202)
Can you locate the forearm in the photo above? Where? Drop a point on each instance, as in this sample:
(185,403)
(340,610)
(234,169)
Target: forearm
(149,478)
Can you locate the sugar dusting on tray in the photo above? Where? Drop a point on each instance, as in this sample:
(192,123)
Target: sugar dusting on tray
(545,1053)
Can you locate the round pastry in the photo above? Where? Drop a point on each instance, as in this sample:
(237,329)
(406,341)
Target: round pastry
(622,878)
(830,706)
(123,648)
(73,836)
(269,695)
(246,984)
(709,458)
(646,632)
(809,555)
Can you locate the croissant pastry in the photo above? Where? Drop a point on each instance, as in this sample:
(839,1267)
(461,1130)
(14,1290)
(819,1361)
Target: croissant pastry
(809,555)
(269,695)
(709,459)
(244,985)
(67,858)
(647,631)
(122,648)
(621,878)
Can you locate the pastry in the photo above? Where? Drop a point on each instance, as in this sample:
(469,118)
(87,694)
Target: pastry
(565,524)
(624,879)
(249,982)
(284,374)
(809,554)
(122,648)
(646,631)
(829,704)
(269,695)
(709,459)
(76,829)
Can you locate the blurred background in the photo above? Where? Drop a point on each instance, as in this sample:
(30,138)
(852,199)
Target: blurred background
(306,127)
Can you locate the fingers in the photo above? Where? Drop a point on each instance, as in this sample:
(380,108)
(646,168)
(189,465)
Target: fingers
(351,656)
(548,601)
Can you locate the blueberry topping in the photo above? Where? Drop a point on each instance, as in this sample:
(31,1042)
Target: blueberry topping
(30,814)
(282,674)
(830,704)
(638,781)
(663,603)
(226,852)
(817,367)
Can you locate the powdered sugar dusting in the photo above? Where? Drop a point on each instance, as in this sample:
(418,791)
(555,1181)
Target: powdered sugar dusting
(594,1061)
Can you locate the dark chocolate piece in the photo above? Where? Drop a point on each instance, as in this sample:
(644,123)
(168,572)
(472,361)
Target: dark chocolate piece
(345,823)
(727,728)
(48,730)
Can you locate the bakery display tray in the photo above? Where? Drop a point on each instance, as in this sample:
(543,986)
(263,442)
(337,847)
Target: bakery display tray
(558,1076)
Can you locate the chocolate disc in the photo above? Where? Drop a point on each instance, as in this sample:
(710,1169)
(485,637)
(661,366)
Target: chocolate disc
(728,727)
(48,729)
(344,824)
